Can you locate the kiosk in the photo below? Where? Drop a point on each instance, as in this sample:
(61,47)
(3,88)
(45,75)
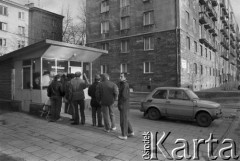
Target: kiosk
(23,72)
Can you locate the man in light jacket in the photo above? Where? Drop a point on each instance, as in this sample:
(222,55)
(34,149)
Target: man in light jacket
(106,95)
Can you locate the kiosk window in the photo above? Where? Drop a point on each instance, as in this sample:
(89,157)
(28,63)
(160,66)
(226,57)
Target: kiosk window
(62,67)
(48,65)
(26,77)
(36,73)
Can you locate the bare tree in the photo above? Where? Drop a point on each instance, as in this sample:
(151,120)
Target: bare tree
(74,30)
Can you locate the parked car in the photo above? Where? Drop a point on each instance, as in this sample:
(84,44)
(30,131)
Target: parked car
(181,103)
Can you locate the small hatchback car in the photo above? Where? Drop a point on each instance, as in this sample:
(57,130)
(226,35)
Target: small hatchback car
(180,103)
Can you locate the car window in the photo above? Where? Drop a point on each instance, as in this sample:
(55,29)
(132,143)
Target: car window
(160,94)
(178,94)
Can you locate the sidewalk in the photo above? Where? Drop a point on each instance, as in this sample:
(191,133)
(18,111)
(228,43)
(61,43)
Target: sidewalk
(27,138)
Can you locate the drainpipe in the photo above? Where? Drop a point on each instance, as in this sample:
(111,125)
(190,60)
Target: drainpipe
(177,42)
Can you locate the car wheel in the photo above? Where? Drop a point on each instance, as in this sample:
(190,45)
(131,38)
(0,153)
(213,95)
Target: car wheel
(153,113)
(204,119)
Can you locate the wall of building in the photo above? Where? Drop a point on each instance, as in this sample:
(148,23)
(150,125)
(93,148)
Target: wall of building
(5,79)
(164,18)
(44,25)
(12,35)
(163,57)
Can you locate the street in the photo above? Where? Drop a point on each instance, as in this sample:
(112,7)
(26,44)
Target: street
(24,137)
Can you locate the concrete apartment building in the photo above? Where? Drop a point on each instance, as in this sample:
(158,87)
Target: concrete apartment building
(22,25)
(13,26)
(165,42)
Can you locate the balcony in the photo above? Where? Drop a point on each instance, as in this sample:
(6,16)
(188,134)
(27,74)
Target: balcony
(203,18)
(222,4)
(232,27)
(214,3)
(224,32)
(232,36)
(212,28)
(225,55)
(203,2)
(210,10)
(233,52)
(232,44)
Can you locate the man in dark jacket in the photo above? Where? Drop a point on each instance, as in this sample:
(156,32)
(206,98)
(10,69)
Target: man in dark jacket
(77,87)
(123,107)
(55,92)
(96,107)
(106,94)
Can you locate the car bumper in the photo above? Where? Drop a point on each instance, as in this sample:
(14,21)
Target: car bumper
(217,115)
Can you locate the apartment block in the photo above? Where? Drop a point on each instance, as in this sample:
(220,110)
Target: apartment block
(13,26)
(190,43)
(22,25)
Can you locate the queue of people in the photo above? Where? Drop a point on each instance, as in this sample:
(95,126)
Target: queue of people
(103,92)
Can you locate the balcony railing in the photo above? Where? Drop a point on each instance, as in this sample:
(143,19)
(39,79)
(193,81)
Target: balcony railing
(222,4)
(232,36)
(203,18)
(224,55)
(233,52)
(203,2)
(214,3)
(232,27)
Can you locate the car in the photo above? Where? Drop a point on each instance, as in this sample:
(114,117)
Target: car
(180,103)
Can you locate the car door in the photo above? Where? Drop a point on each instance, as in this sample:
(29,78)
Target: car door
(179,104)
(159,100)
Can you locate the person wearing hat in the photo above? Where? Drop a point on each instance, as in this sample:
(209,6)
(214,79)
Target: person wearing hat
(96,107)
(77,87)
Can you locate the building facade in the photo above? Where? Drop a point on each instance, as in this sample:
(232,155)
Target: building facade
(13,26)
(165,43)
(22,25)
(44,25)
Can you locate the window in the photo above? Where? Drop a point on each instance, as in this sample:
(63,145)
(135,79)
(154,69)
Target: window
(124,3)
(160,94)
(178,94)
(21,30)
(105,46)
(44,34)
(206,52)
(148,43)
(187,17)
(194,25)
(125,23)
(104,27)
(195,46)
(104,6)
(3,10)
(26,74)
(147,68)
(21,44)
(54,22)
(201,68)
(210,55)
(188,42)
(3,26)
(195,68)
(201,50)
(210,70)
(148,18)
(123,68)
(124,46)
(103,69)
(3,42)
(21,15)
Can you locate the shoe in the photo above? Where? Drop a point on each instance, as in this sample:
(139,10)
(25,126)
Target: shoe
(100,126)
(106,130)
(131,134)
(60,119)
(114,128)
(122,137)
(71,119)
(75,123)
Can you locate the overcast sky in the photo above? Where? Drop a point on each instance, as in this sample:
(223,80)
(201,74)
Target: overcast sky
(57,6)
